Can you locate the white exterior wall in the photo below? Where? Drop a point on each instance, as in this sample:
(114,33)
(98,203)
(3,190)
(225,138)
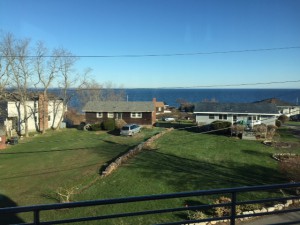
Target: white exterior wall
(55,111)
(266,119)
(15,109)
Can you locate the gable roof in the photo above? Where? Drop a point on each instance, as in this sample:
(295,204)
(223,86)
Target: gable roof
(118,106)
(275,101)
(242,108)
(159,104)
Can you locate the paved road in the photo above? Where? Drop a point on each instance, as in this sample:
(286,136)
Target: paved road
(287,218)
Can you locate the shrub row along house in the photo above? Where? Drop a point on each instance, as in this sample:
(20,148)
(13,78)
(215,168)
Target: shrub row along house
(143,113)
(249,114)
(41,113)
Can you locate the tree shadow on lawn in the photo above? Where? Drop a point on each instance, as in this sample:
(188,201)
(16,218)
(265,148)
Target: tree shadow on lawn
(187,174)
(47,171)
(46,151)
(257,153)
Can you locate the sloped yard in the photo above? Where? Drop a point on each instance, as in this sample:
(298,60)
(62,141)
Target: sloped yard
(179,161)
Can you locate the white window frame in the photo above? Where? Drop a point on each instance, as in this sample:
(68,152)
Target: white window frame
(136,115)
(110,115)
(211,116)
(99,114)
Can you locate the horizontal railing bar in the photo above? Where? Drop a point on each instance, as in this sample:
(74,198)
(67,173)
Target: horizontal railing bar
(146,198)
(140,213)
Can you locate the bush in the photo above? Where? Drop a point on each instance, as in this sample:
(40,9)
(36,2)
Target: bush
(278,123)
(220,126)
(197,215)
(96,127)
(109,124)
(271,131)
(283,119)
(238,128)
(260,130)
(224,211)
(119,123)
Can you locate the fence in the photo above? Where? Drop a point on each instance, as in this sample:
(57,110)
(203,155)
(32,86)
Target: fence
(232,217)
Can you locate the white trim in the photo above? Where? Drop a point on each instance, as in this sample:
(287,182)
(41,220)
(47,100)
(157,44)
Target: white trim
(110,115)
(99,114)
(136,115)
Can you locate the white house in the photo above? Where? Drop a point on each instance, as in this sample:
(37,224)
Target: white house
(246,113)
(12,113)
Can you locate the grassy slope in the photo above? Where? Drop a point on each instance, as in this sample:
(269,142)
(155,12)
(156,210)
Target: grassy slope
(187,161)
(31,171)
(183,161)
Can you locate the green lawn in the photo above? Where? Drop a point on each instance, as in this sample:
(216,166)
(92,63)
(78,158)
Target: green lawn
(182,161)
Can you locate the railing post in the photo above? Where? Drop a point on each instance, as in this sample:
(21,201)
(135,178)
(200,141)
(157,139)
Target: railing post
(233,208)
(36,217)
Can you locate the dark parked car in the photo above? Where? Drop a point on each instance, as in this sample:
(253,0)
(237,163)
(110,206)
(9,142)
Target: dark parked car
(130,129)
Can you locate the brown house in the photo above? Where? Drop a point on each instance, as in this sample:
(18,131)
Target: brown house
(142,113)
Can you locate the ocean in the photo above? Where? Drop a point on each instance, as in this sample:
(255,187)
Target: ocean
(170,96)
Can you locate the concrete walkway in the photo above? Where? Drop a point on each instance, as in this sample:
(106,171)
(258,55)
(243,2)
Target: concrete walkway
(287,218)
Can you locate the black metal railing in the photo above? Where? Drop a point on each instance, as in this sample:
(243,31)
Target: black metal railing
(232,217)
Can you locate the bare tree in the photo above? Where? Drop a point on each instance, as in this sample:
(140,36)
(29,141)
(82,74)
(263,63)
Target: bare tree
(91,90)
(16,53)
(88,89)
(67,80)
(46,69)
(113,93)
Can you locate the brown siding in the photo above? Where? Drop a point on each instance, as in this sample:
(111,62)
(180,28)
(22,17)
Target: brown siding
(43,112)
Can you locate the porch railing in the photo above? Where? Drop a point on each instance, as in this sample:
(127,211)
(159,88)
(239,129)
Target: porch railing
(232,217)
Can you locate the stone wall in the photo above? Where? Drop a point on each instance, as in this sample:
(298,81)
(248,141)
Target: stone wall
(131,153)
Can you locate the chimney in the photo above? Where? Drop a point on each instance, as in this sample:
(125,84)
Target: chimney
(154,100)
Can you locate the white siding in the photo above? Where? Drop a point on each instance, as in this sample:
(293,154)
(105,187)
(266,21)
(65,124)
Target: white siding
(55,111)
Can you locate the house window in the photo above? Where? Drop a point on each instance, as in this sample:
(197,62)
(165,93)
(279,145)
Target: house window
(211,116)
(110,115)
(234,118)
(99,115)
(136,115)
(222,117)
(49,118)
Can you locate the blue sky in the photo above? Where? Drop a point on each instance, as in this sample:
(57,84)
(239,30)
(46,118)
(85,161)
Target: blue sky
(138,27)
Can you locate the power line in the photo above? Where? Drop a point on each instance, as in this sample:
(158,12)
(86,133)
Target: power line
(235,85)
(160,55)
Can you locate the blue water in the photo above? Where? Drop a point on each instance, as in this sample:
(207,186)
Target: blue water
(221,95)
(170,96)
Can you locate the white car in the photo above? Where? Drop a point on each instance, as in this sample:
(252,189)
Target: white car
(168,119)
(130,129)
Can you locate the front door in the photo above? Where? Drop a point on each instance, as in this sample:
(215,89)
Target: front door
(119,116)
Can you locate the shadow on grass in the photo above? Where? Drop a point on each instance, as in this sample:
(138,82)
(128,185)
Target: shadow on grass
(46,151)
(257,153)
(47,171)
(187,174)
(8,218)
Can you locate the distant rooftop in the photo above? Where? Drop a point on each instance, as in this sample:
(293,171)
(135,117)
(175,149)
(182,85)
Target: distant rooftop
(210,107)
(275,101)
